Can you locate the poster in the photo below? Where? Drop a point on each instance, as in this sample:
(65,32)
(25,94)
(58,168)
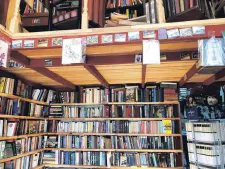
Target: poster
(74,51)
(4,47)
(151,52)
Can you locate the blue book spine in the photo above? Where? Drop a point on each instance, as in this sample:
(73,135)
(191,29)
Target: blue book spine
(15,108)
(66,157)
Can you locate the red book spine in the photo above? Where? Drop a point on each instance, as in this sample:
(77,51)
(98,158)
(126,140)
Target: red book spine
(186,4)
(177,4)
(191,3)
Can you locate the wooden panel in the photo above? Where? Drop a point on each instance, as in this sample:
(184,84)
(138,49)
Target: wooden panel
(116,74)
(200,77)
(77,75)
(33,76)
(168,71)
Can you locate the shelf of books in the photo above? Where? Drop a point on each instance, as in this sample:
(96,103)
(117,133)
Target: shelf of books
(114,127)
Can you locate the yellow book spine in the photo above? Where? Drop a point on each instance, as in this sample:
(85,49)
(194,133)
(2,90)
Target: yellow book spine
(181,5)
(2,84)
(127,13)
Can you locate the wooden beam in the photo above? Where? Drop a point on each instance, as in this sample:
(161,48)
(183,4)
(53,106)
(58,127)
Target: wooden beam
(46,72)
(97,75)
(20,58)
(194,69)
(143,75)
(215,77)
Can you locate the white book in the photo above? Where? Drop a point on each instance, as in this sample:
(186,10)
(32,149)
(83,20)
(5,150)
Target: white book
(1,127)
(11,128)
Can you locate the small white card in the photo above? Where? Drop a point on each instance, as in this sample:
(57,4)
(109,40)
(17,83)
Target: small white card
(151,52)
(74,51)
(4,47)
(198,30)
(16,44)
(173,33)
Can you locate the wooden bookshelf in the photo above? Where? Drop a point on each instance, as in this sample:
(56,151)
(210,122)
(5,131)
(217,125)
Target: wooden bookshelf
(5,116)
(22,136)
(10,96)
(113,134)
(105,167)
(20,155)
(143,103)
(119,150)
(116,119)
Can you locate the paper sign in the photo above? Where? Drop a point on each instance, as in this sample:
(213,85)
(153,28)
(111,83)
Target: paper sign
(151,52)
(74,51)
(4,47)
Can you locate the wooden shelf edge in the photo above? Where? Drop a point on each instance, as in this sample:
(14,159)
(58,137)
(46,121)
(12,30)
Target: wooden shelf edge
(6,116)
(113,167)
(115,134)
(23,99)
(20,155)
(40,166)
(22,136)
(116,119)
(120,150)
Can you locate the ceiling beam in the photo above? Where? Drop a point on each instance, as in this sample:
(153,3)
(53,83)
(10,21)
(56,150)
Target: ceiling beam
(46,72)
(143,75)
(20,58)
(219,75)
(194,69)
(97,75)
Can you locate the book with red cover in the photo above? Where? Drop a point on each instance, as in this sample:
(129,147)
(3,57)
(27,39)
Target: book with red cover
(186,4)
(90,9)
(177,4)
(128,111)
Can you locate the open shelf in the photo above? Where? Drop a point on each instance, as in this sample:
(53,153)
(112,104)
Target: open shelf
(116,119)
(21,117)
(22,136)
(119,150)
(112,134)
(10,96)
(20,155)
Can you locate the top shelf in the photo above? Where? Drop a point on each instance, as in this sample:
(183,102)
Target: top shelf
(23,99)
(85,104)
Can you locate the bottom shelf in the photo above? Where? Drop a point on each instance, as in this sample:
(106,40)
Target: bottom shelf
(101,167)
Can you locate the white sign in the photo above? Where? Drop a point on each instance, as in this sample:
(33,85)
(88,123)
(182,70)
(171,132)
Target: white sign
(74,51)
(4,47)
(151,52)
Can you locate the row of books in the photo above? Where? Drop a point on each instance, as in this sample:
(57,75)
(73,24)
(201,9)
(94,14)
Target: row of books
(22,127)
(204,149)
(116,142)
(174,7)
(13,86)
(121,111)
(17,107)
(160,127)
(64,15)
(42,95)
(21,146)
(38,7)
(119,3)
(110,159)
(26,162)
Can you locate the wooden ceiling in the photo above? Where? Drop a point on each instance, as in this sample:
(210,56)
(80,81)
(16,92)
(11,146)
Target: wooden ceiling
(114,63)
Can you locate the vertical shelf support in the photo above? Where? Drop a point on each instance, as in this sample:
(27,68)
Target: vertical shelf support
(84,24)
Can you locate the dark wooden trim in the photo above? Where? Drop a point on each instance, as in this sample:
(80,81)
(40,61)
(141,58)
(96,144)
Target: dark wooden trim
(46,72)
(194,69)
(20,58)
(97,75)
(143,75)
(215,77)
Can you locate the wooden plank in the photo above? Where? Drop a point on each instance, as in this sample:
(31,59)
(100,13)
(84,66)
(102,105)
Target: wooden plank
(23,99)
(116,119)
(114,134)
(20,58)
(5,116)
(97,75)
(55,77)
(70,33)
(215,77)
(194,69)
(20,155)
(143,75)
(22,136)
(119,150)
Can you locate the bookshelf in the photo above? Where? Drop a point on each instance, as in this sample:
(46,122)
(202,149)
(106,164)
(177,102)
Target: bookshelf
(111,70)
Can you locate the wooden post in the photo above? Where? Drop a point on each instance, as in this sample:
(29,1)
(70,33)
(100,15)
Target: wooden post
(84,24)
(13,17)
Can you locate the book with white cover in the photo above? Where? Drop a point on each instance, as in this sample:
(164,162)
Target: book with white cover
(11,129)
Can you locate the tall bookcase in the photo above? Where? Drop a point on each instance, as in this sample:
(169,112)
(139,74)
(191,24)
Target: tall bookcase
(113,157)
